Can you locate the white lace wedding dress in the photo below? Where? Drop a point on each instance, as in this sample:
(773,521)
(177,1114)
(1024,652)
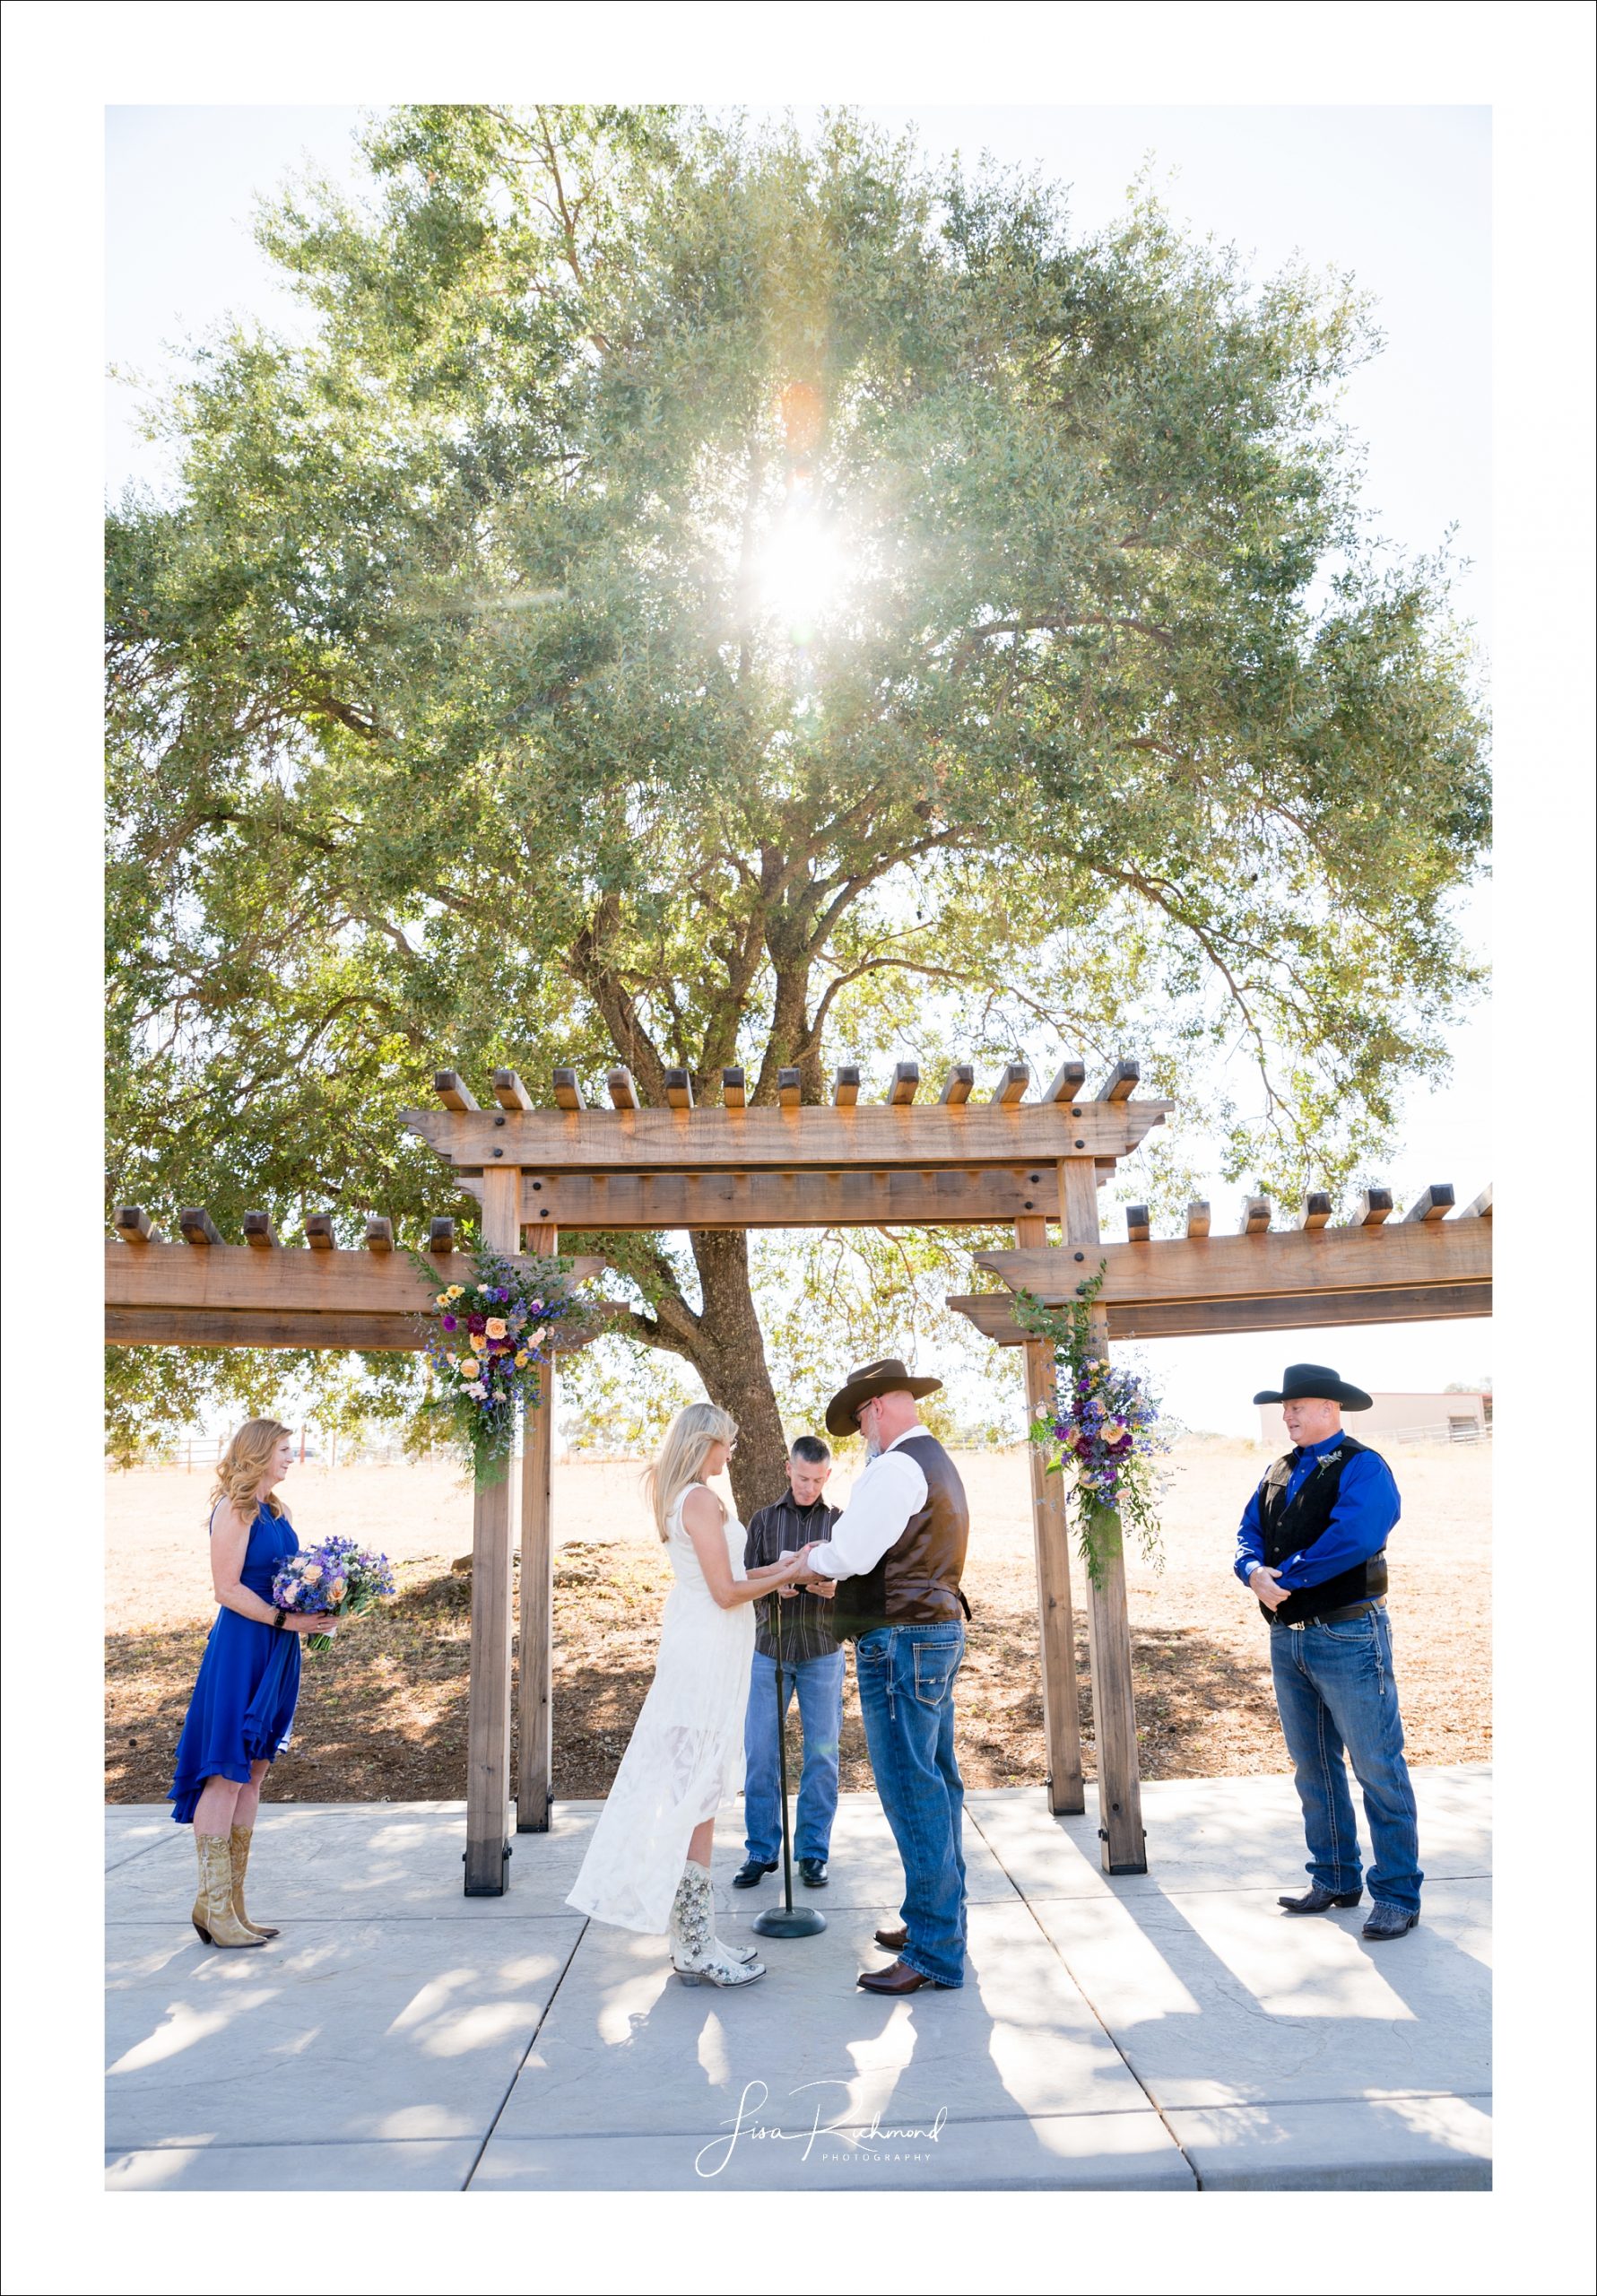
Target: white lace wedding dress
(686,1754)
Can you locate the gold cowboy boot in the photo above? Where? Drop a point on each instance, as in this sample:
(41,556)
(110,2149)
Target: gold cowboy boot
(214,1916)
(238,1845)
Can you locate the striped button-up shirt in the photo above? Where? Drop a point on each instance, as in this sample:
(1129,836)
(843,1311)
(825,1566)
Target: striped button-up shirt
(774,1532)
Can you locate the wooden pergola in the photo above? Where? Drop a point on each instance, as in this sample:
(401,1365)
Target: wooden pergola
(1003,1158)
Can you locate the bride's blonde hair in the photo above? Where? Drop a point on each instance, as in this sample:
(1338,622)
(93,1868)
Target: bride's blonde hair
(241,1466)
(682,1454)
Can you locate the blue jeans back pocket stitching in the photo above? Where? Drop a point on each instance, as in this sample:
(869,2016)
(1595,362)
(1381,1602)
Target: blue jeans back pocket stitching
(934,1693)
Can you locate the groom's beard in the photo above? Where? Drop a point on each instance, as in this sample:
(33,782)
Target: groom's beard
(872,1449)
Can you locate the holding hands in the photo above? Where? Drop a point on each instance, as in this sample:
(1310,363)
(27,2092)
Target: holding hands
(805,1577)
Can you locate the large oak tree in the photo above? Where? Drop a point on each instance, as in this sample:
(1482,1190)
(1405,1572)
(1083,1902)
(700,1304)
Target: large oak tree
(698,597)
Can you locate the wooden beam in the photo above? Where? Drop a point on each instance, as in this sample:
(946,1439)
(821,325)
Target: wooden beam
(1012,1085)
(1436,1204)
(846,1086)
(1242,1267)
(905,1084)
(318,1232)
(1374,1206)
(734,1089)
(1316,1209)
(957,1086)
(908,1138)
(1255,1216)
(535,1779)
(1121,1082)
(623,1091)
(1066,1085)
(679,1089)
(455,1094)
(1050,1523)
(134,1224)
(1480,1207)
(789,1087)
(259,1233)
(199,1228)
(1197,1218)
(440,1237)
(509,1091)
(380,1233)
(991,1313)
(1122,1845)
(260,1327)
(234,1277)
(1136,1223)
(488,1714)
(855,1197)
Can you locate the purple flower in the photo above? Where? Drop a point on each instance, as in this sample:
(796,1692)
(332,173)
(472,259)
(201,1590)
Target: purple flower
(450,1323)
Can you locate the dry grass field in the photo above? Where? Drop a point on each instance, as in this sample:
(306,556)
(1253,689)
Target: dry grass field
(383,1717)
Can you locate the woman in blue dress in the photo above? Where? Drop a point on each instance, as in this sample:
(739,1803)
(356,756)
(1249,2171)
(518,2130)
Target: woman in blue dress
(242,1708)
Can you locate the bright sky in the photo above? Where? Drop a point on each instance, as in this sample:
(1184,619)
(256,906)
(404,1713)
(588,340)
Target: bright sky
(1399,196)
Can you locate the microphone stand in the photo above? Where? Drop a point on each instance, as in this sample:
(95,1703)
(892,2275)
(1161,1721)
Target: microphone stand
(785,1920)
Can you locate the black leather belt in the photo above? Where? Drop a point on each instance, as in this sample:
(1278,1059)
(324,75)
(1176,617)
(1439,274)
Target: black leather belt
(1332,1618)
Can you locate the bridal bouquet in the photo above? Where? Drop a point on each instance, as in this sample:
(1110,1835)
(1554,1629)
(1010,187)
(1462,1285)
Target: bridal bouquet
(484,1343)
(336,1580)
(1106,1426)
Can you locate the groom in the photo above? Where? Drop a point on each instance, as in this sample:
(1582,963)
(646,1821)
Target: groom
(899,1549)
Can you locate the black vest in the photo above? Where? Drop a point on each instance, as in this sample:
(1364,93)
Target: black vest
(1289,1528)
(916,1582)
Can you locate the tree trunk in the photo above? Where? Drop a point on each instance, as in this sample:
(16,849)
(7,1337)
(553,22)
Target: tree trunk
(729,1357)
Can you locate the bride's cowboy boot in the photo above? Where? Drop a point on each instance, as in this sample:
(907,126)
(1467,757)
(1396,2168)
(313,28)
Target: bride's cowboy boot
(696,1954)
(214,1916)
(238,1848)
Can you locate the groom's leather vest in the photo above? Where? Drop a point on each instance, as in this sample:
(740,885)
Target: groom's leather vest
(916,1582)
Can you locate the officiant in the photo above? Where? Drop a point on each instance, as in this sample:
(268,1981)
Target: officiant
(812,1666)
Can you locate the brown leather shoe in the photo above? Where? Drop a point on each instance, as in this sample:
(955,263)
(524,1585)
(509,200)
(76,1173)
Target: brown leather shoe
(897,1978)
(893,1941)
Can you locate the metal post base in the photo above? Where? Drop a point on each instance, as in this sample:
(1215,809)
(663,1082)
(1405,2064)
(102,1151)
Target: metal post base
(788,1921)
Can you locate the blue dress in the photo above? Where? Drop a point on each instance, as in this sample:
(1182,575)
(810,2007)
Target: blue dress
(242,1709)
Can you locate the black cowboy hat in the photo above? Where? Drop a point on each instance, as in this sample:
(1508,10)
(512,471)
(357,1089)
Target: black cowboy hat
(889,1377)
(1317,1382)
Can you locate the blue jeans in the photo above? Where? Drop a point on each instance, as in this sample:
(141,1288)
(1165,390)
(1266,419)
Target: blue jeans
(820,1685)
(907,1701)
(1334,1687)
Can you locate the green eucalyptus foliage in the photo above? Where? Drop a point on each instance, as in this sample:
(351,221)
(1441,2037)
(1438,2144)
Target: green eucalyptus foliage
(702,597)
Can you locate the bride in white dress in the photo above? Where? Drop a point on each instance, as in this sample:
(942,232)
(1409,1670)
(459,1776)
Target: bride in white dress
(648,1866)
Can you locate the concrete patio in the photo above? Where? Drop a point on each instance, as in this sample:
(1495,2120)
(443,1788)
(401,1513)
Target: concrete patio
(1165,2033)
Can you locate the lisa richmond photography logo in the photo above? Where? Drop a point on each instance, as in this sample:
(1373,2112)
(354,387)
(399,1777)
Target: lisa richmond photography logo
(873,2143)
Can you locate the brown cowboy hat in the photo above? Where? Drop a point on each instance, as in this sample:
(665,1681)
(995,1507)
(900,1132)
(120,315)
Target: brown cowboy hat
(889,1377)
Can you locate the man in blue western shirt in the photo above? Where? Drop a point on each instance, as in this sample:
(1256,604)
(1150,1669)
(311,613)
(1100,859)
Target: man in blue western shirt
(1312,1548)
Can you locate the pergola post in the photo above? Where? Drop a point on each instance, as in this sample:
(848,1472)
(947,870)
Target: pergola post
(487,1720)
(1050,1524)
(535,1633)
(1122,1848)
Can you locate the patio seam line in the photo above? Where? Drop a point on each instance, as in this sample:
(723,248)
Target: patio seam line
(521,2062)
(134,1854)
(272,2144)
(1092,2005)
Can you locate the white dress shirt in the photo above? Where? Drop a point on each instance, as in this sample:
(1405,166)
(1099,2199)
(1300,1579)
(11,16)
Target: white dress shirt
(891,1490)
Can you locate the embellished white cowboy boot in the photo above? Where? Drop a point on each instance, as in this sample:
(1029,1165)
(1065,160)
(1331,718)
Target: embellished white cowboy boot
(696,1954)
